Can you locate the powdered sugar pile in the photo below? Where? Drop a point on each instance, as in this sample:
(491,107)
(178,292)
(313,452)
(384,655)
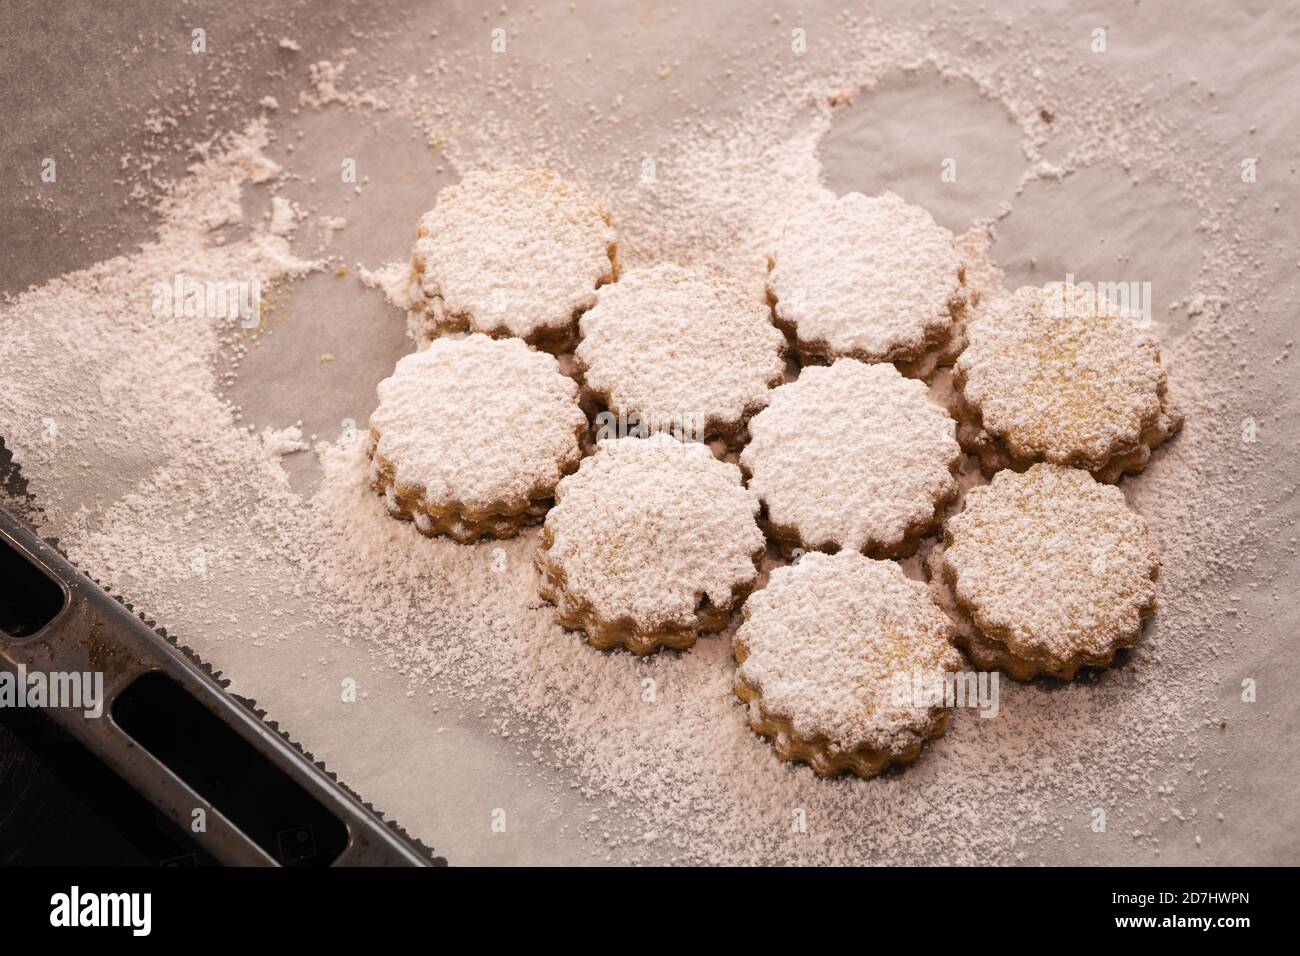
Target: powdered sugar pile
(852,456)
(102,333)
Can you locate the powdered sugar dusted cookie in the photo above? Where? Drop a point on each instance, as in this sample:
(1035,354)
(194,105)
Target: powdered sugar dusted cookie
(876,279)
(652,542)
(671,344)
(512,252)
(852,456)
(826,650)
(1061,376)
(1051,571)
(471,436)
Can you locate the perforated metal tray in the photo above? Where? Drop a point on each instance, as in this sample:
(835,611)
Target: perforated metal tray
(60,621)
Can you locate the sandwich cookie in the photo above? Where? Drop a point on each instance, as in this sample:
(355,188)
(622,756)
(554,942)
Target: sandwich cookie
(875,279)
(1050,571)
(651,543)
(471,436)
(1060,376)
(511,252)
(822,653)
(680,348)
(854,457)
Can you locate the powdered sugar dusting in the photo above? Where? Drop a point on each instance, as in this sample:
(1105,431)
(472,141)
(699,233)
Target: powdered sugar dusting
(301,590)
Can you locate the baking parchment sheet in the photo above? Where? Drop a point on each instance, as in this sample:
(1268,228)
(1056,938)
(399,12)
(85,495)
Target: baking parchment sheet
(439,773)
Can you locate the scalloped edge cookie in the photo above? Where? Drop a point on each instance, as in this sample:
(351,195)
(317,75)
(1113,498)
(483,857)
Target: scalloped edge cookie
(902,310)
(996,643)
(894,742)
(641,469)
(806,411)
(702,335)
(1002,434)
(466,256)
(501,512)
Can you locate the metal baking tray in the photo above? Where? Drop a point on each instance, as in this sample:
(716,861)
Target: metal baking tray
(165,723)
